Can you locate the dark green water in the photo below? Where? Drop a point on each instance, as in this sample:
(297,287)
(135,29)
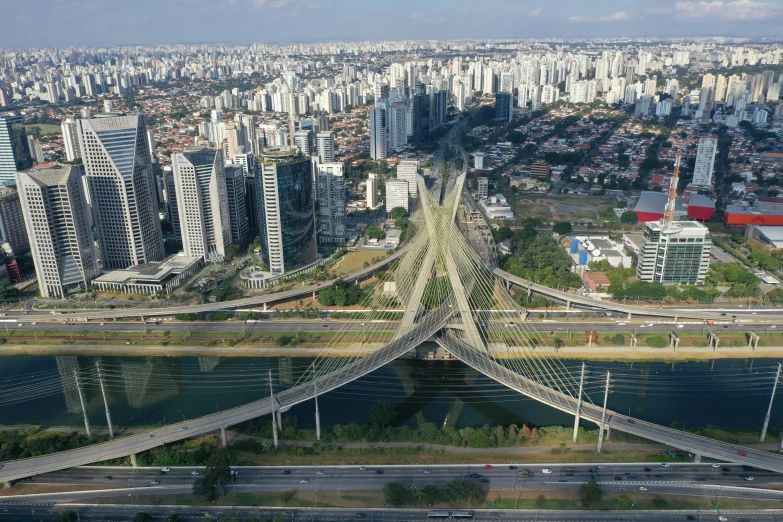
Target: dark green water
(154,390)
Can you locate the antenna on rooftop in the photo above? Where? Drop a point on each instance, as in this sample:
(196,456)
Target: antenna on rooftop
(671,204)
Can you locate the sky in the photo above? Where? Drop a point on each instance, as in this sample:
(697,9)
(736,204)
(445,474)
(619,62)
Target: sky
(50,23)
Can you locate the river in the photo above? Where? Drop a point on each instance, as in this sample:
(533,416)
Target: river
(156,390)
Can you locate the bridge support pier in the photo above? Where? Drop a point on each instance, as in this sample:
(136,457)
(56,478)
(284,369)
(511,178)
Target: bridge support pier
(753,341)
(630,316)
(634,340)
(769,410)
(317,417)
(7,484)
(81,401)
(529,292)
(579,403)
(674,341)
(274,420)
(223,438)
(603,415)
(264,307)
(697,458)
(568,305)
(608,433)
(713,340)
(105,400)
(133,460)
(313,295)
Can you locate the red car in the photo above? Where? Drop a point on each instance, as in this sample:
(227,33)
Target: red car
(742,454)
(488,466)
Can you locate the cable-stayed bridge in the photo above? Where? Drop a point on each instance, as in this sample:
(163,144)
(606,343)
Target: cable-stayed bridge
(439,289)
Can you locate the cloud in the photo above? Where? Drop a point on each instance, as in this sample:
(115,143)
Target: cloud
(535,13)
(578,19)
(735,10)
(616,17)
(418,17)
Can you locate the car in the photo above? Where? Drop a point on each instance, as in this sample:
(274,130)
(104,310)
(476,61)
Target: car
(715,465)
(234,472)
(304,481)
(754,313)
(488,466)
(107,477)
(361,515)
(725,326)
(618,477)
(286,472)
(325,325)
(773,326)
(379,472)
(33,324)
(512,467)
(726,470)
(721,518)
(631,421)
(601,466)
(427,472)
(102,324)
(546,471)
(362,468)
(485,480)
(319,472)
(195,472)
(161,472)
(749,478)
(690,517)
(166,469)
(475,475)
(665,464)
(183,428)
(648,470)
(154,482)
(680,326)
(642,488)
(742,454)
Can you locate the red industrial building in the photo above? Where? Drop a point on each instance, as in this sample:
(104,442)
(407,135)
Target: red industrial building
(766,211)
(651,205)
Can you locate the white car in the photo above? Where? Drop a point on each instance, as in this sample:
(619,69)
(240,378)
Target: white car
(773,326)
(427,472)
(166,470)
(716,465)
(749,478)
(195,472)
(184,428)
(680,326)
(319,472)
(721,518)
(546,471)
(665,464)
(304,481)
(601,466)
(362,468)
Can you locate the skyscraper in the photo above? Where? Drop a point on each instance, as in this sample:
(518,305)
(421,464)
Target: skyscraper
(12,227)
(705,162)
(237,210)
(378,141)
(504,106)
(172,210)
(303,140)
(438,108)
(409,171)
(203,203)
(56,220)
(331,202)
(286,212)
(15,152)
(372,191)
(325,145)
(119,176)
(396,194)
(71,139)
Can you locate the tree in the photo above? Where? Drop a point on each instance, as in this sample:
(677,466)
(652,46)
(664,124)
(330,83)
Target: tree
(374,233)
(629,217)
(430,494)
(590,494)
(540,501)
(562,227)
(398,213)
(382,413)
(396,494)
(142,516)
(216,475)
(68,516)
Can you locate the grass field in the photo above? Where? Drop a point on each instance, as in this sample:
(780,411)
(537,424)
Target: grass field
(566,207)
(45,128)
(353,261)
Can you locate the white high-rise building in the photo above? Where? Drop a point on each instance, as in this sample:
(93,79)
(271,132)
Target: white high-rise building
(705,162)
(396,194)
(409,171)
(55,215)
(332,210)
(119,176)
(372,191)
(303,140)
(378,143)
(398,124)
(674,255)
(325,146)
(200,182)
(71,139)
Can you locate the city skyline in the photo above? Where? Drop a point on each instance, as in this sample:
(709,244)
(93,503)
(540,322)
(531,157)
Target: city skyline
(270,21)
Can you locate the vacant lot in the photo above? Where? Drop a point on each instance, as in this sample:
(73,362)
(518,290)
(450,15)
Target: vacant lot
(353,261)
(44,128)
(565,207)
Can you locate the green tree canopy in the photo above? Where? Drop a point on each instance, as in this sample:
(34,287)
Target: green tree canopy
(590,494)
(217,475)
(629,217)
(562,227)
(374,232)
(397,213)
(396,493)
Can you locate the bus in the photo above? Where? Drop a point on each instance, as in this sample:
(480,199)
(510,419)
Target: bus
(461,515)
(438,515)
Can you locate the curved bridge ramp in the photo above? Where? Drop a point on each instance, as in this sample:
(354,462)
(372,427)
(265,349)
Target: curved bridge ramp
(678,439)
